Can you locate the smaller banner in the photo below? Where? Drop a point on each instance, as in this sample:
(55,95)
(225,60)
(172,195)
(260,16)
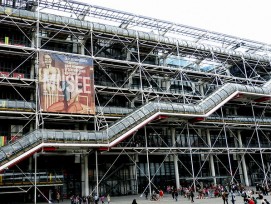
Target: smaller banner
(3,140)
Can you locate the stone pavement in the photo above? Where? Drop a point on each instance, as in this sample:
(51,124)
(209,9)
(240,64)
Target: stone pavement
(167,200)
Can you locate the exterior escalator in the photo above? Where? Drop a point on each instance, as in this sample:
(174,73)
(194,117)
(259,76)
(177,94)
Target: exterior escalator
(36,140)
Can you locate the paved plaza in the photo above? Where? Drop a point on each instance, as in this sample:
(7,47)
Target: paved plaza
(167,200)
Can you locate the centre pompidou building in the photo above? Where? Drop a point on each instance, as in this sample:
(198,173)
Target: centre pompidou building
(95,100)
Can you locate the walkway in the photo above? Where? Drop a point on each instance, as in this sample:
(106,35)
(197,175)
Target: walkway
(167,200)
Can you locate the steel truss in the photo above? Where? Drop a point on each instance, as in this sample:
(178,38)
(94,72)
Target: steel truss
(177,64)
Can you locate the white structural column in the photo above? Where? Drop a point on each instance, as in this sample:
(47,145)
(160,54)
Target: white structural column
(97,173)
(211,157)
(148,163)
(175,159)
(38,43)
(191,157)
(84,172)
(30,162)
(35,178)
(244,165)
(82,45)
(86,175)
(132,178)
(82,175)
(135,173)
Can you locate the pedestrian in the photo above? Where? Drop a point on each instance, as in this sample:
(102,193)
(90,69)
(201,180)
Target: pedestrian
(85,200)
(102,199)
(57,197)
(176,195)
(161,193)
(96,199)
(173,194)
(192,196)
(267,202)
(250,201)
(255,201)
(225,197)
(90,199)
(232,197)
(134,201)
(146,194)
(108,199)
(168,189)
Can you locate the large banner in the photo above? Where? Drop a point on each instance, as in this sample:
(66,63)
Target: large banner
(66,84)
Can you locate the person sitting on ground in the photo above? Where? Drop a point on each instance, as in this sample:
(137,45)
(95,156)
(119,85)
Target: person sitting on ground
(154,196)
(161,193)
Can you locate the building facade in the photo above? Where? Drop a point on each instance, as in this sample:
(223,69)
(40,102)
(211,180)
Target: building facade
(95,100)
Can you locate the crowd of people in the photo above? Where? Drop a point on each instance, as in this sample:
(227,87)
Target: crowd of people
(227,193)
(76,199)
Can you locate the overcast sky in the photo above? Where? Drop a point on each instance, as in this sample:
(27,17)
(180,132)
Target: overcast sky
(242,18)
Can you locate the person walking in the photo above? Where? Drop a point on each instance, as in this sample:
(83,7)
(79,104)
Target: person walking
(176,195)
(108,199)
(225,197)
(102,199)
(57,197)
(173,194)
(233,197)
(96,199)
(146,194)
(192,196)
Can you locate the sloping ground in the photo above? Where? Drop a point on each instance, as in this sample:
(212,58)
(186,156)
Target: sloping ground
(34,141)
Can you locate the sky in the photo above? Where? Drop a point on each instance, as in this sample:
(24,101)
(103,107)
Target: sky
(248,19)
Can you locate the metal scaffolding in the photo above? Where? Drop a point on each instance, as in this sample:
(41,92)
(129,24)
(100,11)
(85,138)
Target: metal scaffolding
(178,106)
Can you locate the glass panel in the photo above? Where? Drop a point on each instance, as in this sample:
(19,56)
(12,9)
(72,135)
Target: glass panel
(59,135)
(216,98)
(189,109)
(84,136)
(24,141)
(130,120)
(150,107)
(120,127)
(91,136)
(113,129)
(51,135)
(100,135)
(8,150)
(136,116)
(175,107)
(2,155)
(16,147)
(141,114)
(32,138)
(127,123)
(76,136)
(38,135)
(124,123)
(68,136)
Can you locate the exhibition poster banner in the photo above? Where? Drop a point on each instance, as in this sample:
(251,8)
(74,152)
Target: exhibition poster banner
(66,84)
